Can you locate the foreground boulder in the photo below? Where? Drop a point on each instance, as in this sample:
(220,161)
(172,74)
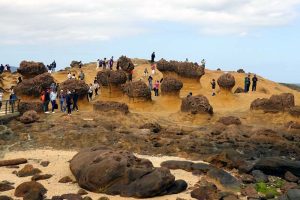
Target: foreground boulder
(30,69)
(226,82)
(24,106)
(109,77)
(80,86)
(171,86)
(34,86)
(138,90)
(196,105)
(226,180)
(29,117)
(125,64)
(123,174)
(184,69)
(31,187)
(105,106)
(275,103)
(230,120)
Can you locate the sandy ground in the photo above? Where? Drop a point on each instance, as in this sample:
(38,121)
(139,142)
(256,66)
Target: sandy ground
(59,167)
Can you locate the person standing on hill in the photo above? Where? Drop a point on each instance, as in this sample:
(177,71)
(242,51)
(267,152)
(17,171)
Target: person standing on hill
(104,63)
(146,72)
(81,75)
(75,97)
(69,102)
(153,68)
(53,96)
(96,86)
(156,88)
(247,83)
(62,100)
(111,63)
(153,57)
(69,76)
(213,87)
(1,68)
(150,79)
(90,93)
(203,63)
(254,83)
(53,66)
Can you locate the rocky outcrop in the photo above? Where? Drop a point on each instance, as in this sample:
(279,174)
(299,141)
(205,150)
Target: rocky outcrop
(30,69)
(75,63)
(230,120)
(184,69)
(276,103)
(109,77)
(154,127)
(239,90)
(127,176)
(171,86)
(125,64)
(196,105)
(34,86)
(6,133)
(6,186)
(80,86)
(137,89)
(187,166)
(295,111)
(106,106)
(25,106)
(226,81)
(29,117)
(241,71)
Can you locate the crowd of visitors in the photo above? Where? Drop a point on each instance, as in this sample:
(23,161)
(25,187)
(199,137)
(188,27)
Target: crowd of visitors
(4,68)
(105,63)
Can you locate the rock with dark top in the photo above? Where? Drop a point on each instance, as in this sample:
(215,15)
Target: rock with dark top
(174,164)
(295,111)
(196,105)
(45,163)
(39,177)
(259,176)
(12,162)
(138,90)
(34,195)
(177,187)
(34,86)
(6,187)
(65,179)
(27,187)
(28,170)
(290,177)
(6,133)
(106,106)
(230,120)
(128,176)
(154,127)
(80,86)
(30,69)
(241,71)
(30,116)
(109,77)
(75,63)
(239,90)
(226,81)
(276,103)
(125,64)
(71,196)
(82,192)
(206,192)
(24,106)
(225,179)
(3,197)
(171,86)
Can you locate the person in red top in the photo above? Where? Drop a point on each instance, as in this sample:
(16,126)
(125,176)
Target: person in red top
(156,88)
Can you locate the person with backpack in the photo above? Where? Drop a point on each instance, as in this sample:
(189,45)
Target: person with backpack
(254,83)
(75,97)
(53,95)
(213,87)
(69,102)
(62,100)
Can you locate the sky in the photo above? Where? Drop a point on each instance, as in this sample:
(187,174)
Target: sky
(260,36)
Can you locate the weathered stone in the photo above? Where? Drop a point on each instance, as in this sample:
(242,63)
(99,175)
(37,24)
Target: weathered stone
(29,117)
(28,170)
(38,177)
(225,179)
(65,179)
(230,120)
(226,81)
(196,105)
(12,162)
(106,106)
(25,188)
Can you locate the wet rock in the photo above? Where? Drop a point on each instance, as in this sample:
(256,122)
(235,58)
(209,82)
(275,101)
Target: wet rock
(196,105)
(82,192)
(138,90)
(239,90)
(80,86)
(45,163)
(259,176)
(209,192)
(30,116)
(30,69)
(24,106)
(6,133)
(277,166)
(71,196)
(3,197)
(226,81)
(292,194)
(27,187)
(250,192)
(276,103)
(128,175)
(12,162)
(125,64)
(290,177)
(34,86)
(106,106)
(171,86)
(4,186)
(109,77)
(154,127)
(28,170)
(38,177)
(225,179)
(295,111)
(65,179)
(230,120)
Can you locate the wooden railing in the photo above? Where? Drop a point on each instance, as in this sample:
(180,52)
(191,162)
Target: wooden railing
(10,106)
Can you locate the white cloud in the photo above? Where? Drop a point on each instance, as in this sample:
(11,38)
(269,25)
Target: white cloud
(32,21)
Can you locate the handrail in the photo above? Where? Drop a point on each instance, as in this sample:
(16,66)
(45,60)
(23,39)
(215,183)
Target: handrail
(11,106)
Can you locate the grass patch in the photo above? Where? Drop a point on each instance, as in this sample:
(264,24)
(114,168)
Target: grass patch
(264,188)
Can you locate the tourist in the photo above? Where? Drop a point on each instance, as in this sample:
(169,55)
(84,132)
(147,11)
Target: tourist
(96,86)
(153,68)
(62,99)
(69,76)
(80,65)
(69,102)
(254,83)
(12,99)
(153,57)
(213,87)
(247,83)
(46,101)
(81,75)
(7,67)
(111,63)
(150,79)
(73,77)
(90,93)
(145,72)
(156,88)
(130,76)
(75,98)
(203,63)
(53,87)
(1,68)
(53,95)
(97,63)
(19,80)
(189,95)
(49,69)
(1,98)
(186,60)
(53,66)
(104,63)
(118,65)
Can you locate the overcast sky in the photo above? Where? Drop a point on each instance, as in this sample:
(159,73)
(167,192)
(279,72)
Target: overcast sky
(261,36)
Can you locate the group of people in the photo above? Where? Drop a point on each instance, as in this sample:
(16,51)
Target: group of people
(71,76)
(4,68)
(12,99)
(51,67)
(105,63)
(248,83)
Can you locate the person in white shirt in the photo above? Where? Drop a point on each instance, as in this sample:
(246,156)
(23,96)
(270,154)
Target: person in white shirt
(69,76)
(53,95)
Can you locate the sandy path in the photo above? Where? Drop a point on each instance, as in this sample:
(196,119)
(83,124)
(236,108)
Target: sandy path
(59,167)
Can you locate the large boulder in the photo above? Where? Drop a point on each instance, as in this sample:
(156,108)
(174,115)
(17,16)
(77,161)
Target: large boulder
(113,172)
(30,69)
(109,77)
(184,69)
(196,105)
(105,106)
(171,86)
(75,63)
(34,86)
(226,180)
(24,106)
(138,90)
(226,81)
(29,117)
(276,103)
(125,64)
(80,86)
